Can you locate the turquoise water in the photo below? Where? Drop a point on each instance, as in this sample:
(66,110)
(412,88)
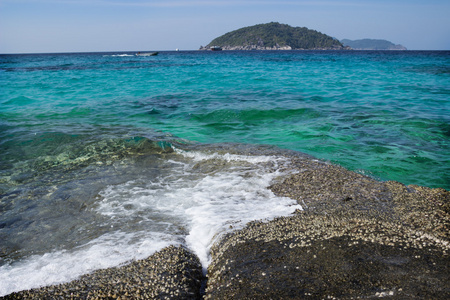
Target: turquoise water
(386,114)
(92,142)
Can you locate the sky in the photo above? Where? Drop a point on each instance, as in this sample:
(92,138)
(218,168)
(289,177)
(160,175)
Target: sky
(49,26)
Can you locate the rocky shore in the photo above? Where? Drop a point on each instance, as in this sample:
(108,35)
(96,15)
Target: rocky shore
(356,238)
(172,273)
(276,47)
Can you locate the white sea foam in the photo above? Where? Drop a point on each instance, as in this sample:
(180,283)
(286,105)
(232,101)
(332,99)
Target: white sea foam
(206,205)
(226,202)
(185,205)
(119,55)
(199,156)
(62,266)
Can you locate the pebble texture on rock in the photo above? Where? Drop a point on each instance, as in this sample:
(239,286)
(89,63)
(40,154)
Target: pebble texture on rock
(172,273)
(356,238)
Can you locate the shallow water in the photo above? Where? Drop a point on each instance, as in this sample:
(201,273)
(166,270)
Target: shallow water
(108,157)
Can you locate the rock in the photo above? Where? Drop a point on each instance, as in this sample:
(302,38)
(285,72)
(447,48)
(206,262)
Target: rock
(329,189)
(356,238)
(254,47)
(173,273)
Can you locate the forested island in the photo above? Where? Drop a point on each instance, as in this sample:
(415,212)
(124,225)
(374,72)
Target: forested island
(275,36)
(372,44)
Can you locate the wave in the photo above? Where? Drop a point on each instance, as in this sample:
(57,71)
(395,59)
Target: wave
(91,205)
(19,101)
(118,55)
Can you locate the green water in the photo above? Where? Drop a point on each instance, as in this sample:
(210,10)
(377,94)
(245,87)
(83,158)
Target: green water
(109,157)
(383,113)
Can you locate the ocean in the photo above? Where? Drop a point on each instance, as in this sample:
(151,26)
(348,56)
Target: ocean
(110,157)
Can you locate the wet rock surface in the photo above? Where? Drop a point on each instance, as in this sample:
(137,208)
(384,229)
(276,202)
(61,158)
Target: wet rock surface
(356,238)
(328,257)
(329,189)
(172,273)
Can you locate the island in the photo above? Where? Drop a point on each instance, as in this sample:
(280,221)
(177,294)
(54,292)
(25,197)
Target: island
(274,36)
(371,44)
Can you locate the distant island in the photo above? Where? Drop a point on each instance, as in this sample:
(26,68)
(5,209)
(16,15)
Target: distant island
(370,44)
(274,36)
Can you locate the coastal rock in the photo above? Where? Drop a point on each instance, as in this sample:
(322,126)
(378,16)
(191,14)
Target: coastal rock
(172,273)
(327,257)
(330,189)
(252,47)
(355,238)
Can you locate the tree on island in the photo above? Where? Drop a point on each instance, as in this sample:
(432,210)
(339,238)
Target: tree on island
(274,36)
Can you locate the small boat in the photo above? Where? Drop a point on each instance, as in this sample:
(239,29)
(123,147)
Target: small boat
(147,54)
(216,48)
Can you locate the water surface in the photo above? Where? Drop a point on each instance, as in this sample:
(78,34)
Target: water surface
(108,157)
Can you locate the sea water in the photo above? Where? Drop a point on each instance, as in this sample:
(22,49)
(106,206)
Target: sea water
(109,157)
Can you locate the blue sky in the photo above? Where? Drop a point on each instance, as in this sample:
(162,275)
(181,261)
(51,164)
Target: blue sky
(36,26)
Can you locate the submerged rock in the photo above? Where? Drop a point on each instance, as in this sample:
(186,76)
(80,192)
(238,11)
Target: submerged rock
(172,273)
(355,238)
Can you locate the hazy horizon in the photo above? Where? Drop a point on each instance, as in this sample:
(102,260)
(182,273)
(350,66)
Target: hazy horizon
(52,26)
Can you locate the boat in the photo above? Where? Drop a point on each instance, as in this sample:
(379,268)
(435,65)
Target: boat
(147,54)
(216,48)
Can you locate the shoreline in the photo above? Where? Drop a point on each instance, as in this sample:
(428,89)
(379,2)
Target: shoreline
(355,237)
